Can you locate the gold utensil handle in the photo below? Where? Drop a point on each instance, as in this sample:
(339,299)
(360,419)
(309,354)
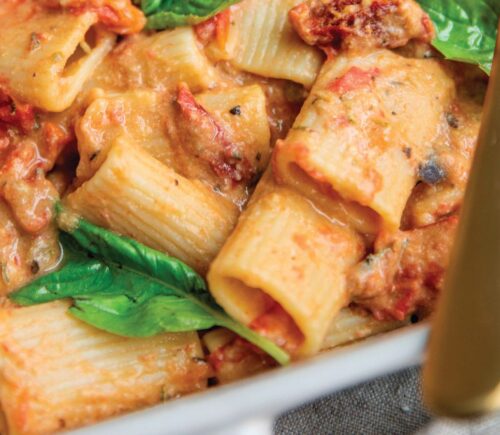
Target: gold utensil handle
(462,373)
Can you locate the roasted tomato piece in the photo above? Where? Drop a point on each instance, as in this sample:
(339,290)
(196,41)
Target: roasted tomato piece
(359,24)
(406,272)
(203,137)
(14,113)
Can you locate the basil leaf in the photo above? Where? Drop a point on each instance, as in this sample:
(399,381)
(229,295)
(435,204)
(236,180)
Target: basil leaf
(165,14)
(466,29)
(122,315)
(123,287)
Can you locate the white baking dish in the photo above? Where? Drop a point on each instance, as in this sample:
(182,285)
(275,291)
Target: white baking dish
(256,400)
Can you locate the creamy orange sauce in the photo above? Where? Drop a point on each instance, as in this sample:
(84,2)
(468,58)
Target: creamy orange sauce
(237,360)
(179,117)
(136,93)
(119,16)
(30,144)
(406,271)
(402,270)
(38,153)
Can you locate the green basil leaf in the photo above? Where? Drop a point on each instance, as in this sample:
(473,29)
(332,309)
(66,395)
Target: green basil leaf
(165,14)
(123,315)
(123,287)
(79,274)
(466,29)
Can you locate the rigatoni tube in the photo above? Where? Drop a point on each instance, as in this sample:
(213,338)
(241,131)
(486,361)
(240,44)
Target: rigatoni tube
(51,74)
(58,373)
(261,40)
(367,123)
(349,325)
(137,196)
(282,271)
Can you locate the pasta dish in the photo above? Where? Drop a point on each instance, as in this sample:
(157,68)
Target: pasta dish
(192,192)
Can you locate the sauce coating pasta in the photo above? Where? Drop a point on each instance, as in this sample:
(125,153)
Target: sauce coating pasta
(307,159)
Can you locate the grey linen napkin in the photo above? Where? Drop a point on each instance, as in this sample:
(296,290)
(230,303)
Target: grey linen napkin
(388,405)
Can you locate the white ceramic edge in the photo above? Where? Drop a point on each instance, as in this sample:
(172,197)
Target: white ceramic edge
(274,392)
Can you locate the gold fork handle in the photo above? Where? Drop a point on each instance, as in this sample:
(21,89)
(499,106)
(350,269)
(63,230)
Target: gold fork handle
(462,373)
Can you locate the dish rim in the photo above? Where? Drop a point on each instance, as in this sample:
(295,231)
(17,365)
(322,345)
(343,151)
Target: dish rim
(233,404)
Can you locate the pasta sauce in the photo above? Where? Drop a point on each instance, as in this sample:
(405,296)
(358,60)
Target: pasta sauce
(119,16)
(307,160)
(30,145)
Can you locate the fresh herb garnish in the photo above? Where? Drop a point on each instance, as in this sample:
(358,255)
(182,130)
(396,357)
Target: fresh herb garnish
(465,30)
(123,287)
(166,14)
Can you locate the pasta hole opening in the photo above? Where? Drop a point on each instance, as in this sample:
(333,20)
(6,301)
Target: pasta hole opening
(263,314)
(246,303)
(332,205)
(83,49)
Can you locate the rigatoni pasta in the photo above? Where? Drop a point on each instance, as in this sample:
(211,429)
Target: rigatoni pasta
(57,373)
(147,117)
(158,61)
(138,114)
(262,41)
(141,119)
(48,58)
(240,187)
(298,261)
(349,326)
(355,135)
(176,56)
(251,125)
(136,195)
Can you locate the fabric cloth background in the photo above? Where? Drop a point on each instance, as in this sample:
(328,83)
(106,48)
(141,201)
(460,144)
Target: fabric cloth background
(389,405)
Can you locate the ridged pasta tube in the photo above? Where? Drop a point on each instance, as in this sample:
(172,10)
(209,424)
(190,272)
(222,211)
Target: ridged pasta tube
(348,326)
(173,56)
(285,251)
(136,195)
(47,58)
(262,41)
(58,373)
(367,126)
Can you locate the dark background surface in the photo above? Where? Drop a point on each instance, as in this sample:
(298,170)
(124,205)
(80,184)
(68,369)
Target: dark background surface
(388,405)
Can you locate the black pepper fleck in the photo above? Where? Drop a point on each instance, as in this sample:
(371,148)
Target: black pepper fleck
(369,259)
(35,267)
(34,42)
(431,172)
(452,120)
(407,151)
(236,110)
